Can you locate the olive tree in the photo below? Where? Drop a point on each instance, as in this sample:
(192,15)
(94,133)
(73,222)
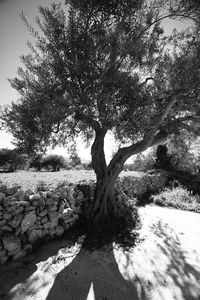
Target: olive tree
(86,76)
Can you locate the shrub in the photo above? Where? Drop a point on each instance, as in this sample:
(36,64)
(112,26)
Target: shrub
(41,186)
(79,167)
(178,197)
(13,159)
(53,161)
(142,188)
(36,162)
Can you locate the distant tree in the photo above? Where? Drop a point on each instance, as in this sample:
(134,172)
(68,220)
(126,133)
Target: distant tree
(85,76)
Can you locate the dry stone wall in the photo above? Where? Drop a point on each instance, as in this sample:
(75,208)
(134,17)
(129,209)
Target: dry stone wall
(26,217)
(29,216)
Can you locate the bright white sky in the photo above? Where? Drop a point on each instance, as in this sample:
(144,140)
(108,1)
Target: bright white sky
(13,38)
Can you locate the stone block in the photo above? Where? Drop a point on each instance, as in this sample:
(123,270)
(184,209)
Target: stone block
(12,208)
(2,198)
(44,220)
(50,225)
(11,243)
(34,235)
(18,230)
(28,221)
(59,230)
(53,215)
(24,203)
(43,213)
(29,208)
(3,259)
(7,228)
(7,216)
(3,222)
(18,211)
(16,221)
(20,194)
(19,254)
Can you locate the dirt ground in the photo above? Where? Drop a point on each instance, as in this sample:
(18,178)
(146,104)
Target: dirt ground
(30,179)
(164,265)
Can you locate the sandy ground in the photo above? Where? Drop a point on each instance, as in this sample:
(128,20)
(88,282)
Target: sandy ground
(165,265)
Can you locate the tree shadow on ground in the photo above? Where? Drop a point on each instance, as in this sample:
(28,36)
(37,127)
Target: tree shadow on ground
(93,274)
(181,272)
(20,271)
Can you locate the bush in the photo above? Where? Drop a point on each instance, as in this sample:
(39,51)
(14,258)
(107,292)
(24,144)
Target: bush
(178,197)
(13,159)
(53,161)
(142,188)
(79,167)
(36,162)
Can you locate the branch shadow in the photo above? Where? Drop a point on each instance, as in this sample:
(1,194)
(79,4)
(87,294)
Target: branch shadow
(24,270)
(183,274)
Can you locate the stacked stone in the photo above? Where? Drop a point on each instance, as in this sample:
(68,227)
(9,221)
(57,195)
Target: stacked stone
(26,217)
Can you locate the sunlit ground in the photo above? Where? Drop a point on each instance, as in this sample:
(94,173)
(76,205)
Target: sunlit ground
(165,264)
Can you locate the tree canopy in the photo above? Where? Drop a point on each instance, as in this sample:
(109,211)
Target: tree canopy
(101,66)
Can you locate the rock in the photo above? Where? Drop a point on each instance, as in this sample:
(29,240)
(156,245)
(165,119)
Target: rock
(45,232)
(34,197)
(3,222)
(20,195)
(7,228)
(43,213)
(61,210)
(2,198)
(50,201)
(11,243)
(39,203)
(2,253)
(59,230)
(29,208)
(80,196)
(52,208)
(28,221)
(30,192)
(44,220)
(28,248)
(1,207)
(21,253)
(52,232)
(18,210)
(3,260)
(50,225)
(18,230)
(67,213)
(16,221)
(7,216)
(24,203)
(69,220)
(13,207)
(11,191)
(53,215)
(34,235)
(16,251)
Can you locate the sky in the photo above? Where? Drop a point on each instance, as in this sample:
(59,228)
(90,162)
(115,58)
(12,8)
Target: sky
(13,39)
